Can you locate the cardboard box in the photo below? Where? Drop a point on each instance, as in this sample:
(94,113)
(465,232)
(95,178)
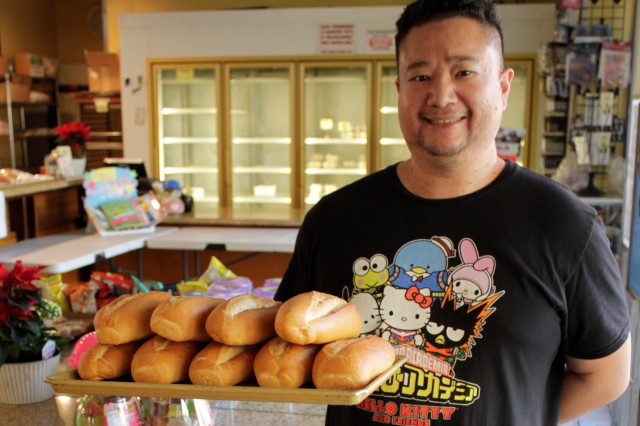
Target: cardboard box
(20,86)
(29,64)
(103,71)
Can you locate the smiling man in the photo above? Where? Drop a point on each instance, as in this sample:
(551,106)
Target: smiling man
(501,289)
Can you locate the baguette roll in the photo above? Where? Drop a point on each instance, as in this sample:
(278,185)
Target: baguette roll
(280,364)
(160,360)
(317,318)
(351,364)
(104,362)
(223,365)
(182,318)
(127,318)
(243,320)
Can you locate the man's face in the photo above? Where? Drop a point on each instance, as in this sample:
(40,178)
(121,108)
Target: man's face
(452,89)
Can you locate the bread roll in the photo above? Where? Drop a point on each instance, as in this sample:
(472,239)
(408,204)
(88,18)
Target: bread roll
(243,320)
(160,360)
(103,362)
(280,364)
(223,365)
(182,318)
(352,363)
(127,318)
(317,318)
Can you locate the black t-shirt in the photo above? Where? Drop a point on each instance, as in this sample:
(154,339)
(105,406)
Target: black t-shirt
(484,294)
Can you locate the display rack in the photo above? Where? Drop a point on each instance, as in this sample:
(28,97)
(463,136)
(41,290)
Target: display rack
(586,69)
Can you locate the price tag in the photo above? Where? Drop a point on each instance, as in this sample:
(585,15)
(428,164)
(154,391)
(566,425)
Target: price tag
(49,349)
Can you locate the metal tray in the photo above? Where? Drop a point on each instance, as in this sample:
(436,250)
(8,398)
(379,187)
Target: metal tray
(68,382)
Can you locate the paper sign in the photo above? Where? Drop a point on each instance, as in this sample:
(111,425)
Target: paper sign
(336,39)
(381,41)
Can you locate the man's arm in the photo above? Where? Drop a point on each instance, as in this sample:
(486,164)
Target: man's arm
(591,383)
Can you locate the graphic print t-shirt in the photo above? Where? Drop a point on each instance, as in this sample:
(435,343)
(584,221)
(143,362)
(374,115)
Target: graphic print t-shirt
(473,291)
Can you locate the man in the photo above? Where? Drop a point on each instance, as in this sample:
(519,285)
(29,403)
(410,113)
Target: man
(526,321)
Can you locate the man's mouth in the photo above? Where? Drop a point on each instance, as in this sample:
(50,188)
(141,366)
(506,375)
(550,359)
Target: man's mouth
(444,120)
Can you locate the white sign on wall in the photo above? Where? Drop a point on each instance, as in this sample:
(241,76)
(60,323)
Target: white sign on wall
(336,39)
(381,41)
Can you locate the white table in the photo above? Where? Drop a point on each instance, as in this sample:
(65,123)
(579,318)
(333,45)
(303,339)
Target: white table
(67,252)
(254,240)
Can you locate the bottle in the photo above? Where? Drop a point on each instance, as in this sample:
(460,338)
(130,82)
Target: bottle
(89,411)
(118,411)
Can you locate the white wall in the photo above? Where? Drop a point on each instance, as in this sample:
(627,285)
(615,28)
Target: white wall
(268,32)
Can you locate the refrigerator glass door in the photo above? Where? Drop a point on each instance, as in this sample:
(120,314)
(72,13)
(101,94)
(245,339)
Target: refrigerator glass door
(260,130)
(188,133)
(336,102)
(391,145)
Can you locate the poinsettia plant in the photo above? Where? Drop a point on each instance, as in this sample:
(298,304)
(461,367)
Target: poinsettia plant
(74,134)
(23,314)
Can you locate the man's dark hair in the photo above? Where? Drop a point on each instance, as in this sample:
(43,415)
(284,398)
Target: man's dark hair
(422,11)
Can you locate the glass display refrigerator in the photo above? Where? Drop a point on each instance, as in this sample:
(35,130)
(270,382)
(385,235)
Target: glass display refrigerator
(188,135)
(336,102)
(260,119)
(263,140)
(391,147)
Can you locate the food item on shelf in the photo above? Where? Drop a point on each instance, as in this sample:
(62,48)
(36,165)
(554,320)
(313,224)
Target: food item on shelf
(280,364)
(243,320)
(317,318)
(223,365)
(127,318)
(352,363)
(182,318)
(160,360)
(103,362)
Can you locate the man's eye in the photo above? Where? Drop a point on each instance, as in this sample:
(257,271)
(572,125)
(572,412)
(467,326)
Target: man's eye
(420,78)
(464,73)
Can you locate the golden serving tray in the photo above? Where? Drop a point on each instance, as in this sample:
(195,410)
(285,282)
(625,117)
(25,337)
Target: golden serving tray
(68,382)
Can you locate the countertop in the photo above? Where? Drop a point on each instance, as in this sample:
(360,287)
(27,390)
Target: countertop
(196,219)
(16,190)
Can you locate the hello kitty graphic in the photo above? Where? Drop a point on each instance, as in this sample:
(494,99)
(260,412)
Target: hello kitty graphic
(472,281)
(404,313)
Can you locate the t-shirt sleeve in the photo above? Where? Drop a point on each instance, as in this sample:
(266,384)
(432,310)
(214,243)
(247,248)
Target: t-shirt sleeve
(598,314)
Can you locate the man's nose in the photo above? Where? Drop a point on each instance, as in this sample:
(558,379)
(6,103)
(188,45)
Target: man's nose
(441,92)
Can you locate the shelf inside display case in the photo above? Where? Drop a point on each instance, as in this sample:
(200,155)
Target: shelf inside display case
(392,141)
(334,141)
(191,169)
(262,200)
(262,140)
(262,169)
(336,171)
(188,139)
(187,111)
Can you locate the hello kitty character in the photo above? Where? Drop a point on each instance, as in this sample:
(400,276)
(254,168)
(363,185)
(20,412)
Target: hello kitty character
(472,281)
(369,311)
(404,313)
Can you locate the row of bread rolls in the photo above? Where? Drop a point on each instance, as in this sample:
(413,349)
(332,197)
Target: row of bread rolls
(158,338)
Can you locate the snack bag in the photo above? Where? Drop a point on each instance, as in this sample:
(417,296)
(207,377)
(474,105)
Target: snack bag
(51,289)
(82,296)
(191,287)
(215,270)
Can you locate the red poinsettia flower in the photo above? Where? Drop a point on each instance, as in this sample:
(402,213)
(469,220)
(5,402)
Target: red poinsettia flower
(23,331)
(74,134)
